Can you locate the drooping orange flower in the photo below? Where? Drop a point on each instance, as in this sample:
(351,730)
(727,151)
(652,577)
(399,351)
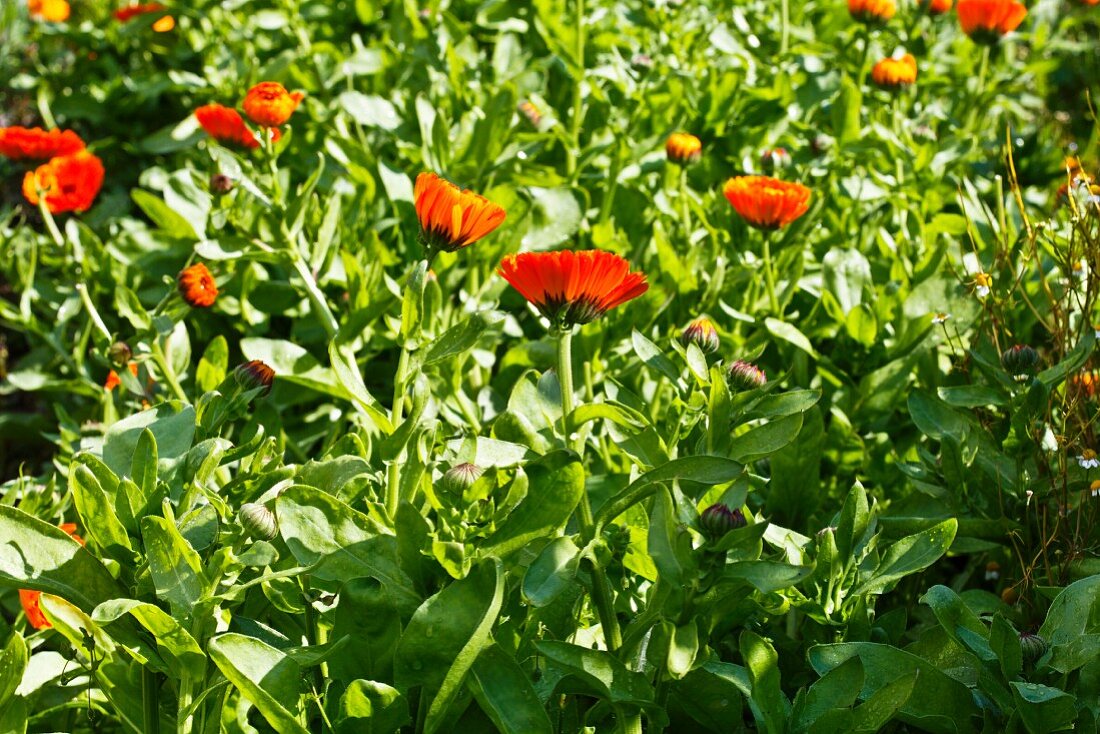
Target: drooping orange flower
(452,218)
(132,11)
(985,21)
(872,11)
(767,203)
(683,148)
(268,104)
(68,183)
(570,287)
(894,73)
(30,599)
(36,144)
(197,286)
(52,11)
(113,380)
(226,125)
(936,7)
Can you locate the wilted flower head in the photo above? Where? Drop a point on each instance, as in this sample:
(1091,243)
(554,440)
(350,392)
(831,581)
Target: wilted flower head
(452,218)
(767,203)
(255,375)
(992,571)
(702,333)
(30,599)
(570,287)
(269,104)
(221,184)
(528,109)
(718,519)
(226,125)
(460,478)
(51,11)
(894,73)
(1020,361)
(743,375)
(34,143)
(683,148)
(774,159)
(67,183)
(197,286)
(983,282)
(872,12)
(986,21)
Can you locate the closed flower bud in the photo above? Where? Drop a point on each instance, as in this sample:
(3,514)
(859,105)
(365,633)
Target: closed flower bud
(683,148)
(221,184)
(253,375)
(120,353)
(774,159)
(718,519)
(745,376)
(1020,361)
(258,521)
(460,477)
(702,333)
(1032,646)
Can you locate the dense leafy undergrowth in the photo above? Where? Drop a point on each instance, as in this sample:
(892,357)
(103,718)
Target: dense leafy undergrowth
(784,420)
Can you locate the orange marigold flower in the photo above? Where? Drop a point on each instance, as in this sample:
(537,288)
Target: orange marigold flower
(985,21)
(894,73)
(1086,383)
(570,287)
(452,218)
(132,11)
(68,183)
(30,599)
(269,104)
(683,148)
(936,7)
(872,11)
(197,286)
(767,203)
(34,143)
(113,380)
(226,125)
(52,11)
(165,24)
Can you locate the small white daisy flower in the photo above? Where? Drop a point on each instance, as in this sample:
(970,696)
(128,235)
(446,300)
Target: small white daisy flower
(1088,460)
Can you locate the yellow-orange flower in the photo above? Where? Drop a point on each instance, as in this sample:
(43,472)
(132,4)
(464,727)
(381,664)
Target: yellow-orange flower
(528,109)
(894,73)
(30,599)
(22,143)
(683,148)
(452,218)
(936,7)
(872,11)
(269,104)
(68,183)
(165,24)
(52,11)
(197,286)
(767,203)
(985,21)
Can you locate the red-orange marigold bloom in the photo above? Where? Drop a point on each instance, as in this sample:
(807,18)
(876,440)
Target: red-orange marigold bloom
(872,11)
(936,7)
(53,11)
(132,11)
(226,125)
(767,203)
(570,287)
(69,183)
(452,218)
(30,599)
(985,21)
(197,286)
(683,148)
(113,380)
(34,143)
(269,104)
(894,73)
(165,24)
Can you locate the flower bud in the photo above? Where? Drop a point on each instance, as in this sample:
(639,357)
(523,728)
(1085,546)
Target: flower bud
(258,521)
(253,375)
(702,333)
(120,353)
(459,478)
(1032,646)
(774,159)
(683,148)
(221,184)
(718,519)
(1020,361)
(745,376)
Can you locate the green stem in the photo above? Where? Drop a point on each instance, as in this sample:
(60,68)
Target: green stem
(785,26)
(397,411)
(48,220)
(185,724)
(97,321)
(150,700)
(769,276)
(166,371)
(578,95)
(316,297)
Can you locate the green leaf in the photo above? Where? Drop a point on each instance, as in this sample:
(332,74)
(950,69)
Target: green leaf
(97,514)
(460,338)
(837,689)
(769,706)
(935,418)
(762,441)
(709,697)
(175,644)
(556,483)
(506,695)
(293,364)
(370,619)
(368,707)
(707,470)
(172,425)
(1072,362)
(369,110)
(347,373)
(683,647)
(265,676)
(445,637)
(144,465)
(1072,625)
(162,215)
(13,661)
(910,554)
(552,572)
(790,334)
(972,396)
(654,358)
(1044,709)
(846,272)
(213,365)
(884,704)
(767,577)
(553,218)
(597,673)
(846,112)
(192,203)
(177,570)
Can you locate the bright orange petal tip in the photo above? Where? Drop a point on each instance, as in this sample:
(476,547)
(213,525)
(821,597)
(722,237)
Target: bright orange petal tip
(767,203)
(872,12)
(51,11)
(36,144)
(226,125)
(269,104)
(452,218)
(683,148)
(986,21)
(68,183)
(571,287)
(197,286)
(30,600)
(895,73)
(936,7)
(133,11)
